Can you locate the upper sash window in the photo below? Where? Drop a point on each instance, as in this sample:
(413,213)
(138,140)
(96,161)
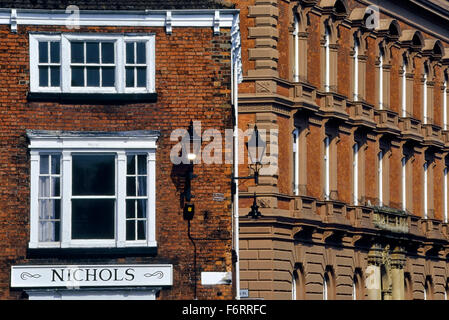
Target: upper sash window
(92,63)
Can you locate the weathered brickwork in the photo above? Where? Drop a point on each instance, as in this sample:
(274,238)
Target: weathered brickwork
(193,82)
(305,236)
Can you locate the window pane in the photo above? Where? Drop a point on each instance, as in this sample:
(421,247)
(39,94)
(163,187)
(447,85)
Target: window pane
(130,208)
(142,164)
(141,232)
(130,52)
(131,164)
(77,50)
(43,52)
(92,52)
(55,187)
(54,76)
(93,175)
(93,76)
(108,77)
(44,186)
(43,76)
(57,209)
(55,164)
(54,52)
(142,77)
(77,77)
(141,208)
(44,165)
(107,52)
(49,209)
(45,209)
(49,231)
(93,218)
(131,186)
(130,77)
(131,230)
(142,184)
(141,52)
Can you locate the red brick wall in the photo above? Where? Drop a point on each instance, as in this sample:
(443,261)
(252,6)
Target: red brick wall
(192,82)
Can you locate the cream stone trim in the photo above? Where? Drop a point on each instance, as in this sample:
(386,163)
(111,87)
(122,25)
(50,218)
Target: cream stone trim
(216,19)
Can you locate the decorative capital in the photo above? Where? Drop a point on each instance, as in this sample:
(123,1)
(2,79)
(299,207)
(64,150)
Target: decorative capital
(375,255)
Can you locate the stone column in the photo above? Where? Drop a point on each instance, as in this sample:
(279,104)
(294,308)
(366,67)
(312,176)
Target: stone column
(373,280)
(397,273)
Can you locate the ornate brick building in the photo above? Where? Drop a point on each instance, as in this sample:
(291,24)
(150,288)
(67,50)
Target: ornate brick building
(357,96)
(91,205)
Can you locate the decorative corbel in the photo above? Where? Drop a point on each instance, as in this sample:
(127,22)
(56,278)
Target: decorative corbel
(217,22)
(168,23)
(13,20)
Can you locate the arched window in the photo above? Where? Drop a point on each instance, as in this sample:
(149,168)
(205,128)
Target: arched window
(299,39)
(404,87)
(380,174)
(355,173)
(298,284)
(356,68)
(328,284)
(327,70)
(381,78)
(326,287)
(296,46)
(428,290)
(404,183)
(357,287)
(293,286)
(426,200)
(426,116)
(445,195)
(326,168)
(445,101)
(296,162)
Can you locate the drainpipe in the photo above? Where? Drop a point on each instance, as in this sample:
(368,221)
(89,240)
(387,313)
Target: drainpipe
(236,193)
(236,78)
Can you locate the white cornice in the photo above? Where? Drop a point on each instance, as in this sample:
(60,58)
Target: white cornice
(50,140)
(148,18)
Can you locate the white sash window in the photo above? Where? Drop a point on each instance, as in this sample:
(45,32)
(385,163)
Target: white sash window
(92,190)
(92,63)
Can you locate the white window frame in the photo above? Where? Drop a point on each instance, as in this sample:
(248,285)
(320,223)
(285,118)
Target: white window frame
(65,56)
(293,286)
(91,294)
(296,162)
(404,89)
(326,168)
(381,79)
(354,289)
(426,167)
(325,288)
(66,146)
(296,42)
(404,182)
(424,103)
(355,173)
(356,69)
(327,59)
(446,215)
(380,157)
(445,103)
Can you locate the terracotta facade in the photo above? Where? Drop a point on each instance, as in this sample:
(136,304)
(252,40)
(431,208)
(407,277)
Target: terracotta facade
(340,227)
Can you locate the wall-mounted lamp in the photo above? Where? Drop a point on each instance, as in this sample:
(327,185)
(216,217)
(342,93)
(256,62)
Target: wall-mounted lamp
(256,150)
(191,157)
